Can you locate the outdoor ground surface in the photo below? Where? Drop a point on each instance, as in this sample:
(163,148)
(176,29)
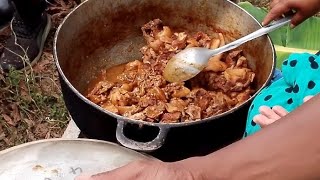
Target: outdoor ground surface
(31,104)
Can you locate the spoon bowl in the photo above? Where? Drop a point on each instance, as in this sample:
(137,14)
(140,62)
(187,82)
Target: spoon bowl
(186,64)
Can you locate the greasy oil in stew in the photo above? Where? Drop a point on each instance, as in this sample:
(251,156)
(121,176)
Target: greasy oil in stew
(109,74)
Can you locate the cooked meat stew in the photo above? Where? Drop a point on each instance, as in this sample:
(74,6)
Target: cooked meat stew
(139,91)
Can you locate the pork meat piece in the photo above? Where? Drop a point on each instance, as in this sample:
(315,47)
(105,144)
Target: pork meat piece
(153,112)
(138,116)
(201,98)
(128,110)
(101,87)
(173,117)
(152,28)
(110,107)
(121,97)
(176,105)
(194,112)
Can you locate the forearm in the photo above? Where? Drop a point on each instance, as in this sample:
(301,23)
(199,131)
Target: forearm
(286,150)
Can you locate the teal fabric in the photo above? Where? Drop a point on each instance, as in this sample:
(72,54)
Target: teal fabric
(301,77)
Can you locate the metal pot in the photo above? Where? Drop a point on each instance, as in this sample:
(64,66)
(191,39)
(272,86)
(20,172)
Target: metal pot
(103,33)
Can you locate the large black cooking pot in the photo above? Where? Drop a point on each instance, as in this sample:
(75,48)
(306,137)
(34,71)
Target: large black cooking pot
(103,33)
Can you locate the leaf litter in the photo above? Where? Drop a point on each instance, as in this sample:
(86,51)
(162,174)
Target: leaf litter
(31,104)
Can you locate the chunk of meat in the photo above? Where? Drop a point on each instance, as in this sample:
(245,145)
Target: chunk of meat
(232,57)
(232,79)
(176,105)
(239,78)
(243,96)
(146,101)
(216,65)
(128,110)
(180,93)
(156,45)
(149,55)
(165,35)
(152,81)
(194,112)
(223,101)
(211,81)
(192,42)
(110,107)
(127,77)
(157,93)
(98,94)
(121,97)
(127,86)
(101,87)
(151,29)
(242,62)
(138,92)
(236,75)
(203,39)
(201,98)
(215,43)
(138,116)
(180,41)
(155,111)
(176,90)
(133,66)
(173,117)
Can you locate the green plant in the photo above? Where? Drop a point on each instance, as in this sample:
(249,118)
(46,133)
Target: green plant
(304,38)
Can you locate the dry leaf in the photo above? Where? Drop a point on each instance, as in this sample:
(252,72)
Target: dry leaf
(15,113)
(2,136)
(48,135)
(42,130)
(63,4)
(41,65)
(8,120)
(30,136)
(29,122)
(7,141)
(47,86)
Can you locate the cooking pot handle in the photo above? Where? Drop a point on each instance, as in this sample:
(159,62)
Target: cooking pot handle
(150,146)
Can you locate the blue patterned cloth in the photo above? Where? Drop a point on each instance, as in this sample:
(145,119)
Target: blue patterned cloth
(276,76)
(300,77)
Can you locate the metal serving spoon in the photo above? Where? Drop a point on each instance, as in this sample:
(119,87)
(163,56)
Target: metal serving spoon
(191,61)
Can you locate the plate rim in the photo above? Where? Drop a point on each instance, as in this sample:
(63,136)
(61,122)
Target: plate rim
(3,152)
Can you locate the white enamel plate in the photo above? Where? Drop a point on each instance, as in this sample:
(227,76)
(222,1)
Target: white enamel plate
(62,159)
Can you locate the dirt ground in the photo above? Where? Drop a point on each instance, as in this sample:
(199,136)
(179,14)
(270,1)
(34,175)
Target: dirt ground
(31,104)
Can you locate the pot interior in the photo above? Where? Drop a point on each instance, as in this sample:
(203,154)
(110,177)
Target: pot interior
(103,33)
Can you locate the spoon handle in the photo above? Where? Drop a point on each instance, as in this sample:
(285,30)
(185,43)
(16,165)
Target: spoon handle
(262,31)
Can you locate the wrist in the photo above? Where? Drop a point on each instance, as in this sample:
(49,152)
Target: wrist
(204,168)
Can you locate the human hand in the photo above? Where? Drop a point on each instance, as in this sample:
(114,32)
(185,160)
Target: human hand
(269,115)
(304,9)
(146,170)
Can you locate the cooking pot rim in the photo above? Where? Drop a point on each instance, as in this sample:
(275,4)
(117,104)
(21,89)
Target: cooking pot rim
(169,125)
